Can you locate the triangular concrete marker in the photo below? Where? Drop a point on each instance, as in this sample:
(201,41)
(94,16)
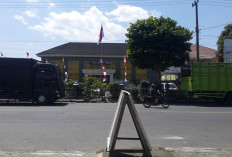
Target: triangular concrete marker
(125,98)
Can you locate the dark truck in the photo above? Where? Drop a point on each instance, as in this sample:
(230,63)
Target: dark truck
(29,79)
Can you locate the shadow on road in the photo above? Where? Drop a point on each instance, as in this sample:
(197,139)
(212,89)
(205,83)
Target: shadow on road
(29,104)
(199,104)
(159,107)
(126,153)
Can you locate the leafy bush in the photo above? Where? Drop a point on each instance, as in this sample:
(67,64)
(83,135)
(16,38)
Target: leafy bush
(114,88)
(90,86)
(103,87)
(134,92)
(69,83)
(69,90)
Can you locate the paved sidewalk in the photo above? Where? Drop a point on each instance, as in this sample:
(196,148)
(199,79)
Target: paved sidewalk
(156,152)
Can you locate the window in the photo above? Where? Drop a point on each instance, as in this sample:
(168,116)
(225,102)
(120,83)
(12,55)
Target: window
(73,69)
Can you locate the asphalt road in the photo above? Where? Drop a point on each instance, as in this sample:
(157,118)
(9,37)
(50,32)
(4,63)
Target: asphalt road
(84,127)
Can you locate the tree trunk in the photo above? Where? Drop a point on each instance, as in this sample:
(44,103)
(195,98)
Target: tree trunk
(158,75)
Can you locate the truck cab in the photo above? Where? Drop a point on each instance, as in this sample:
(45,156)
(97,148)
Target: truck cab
(48,84)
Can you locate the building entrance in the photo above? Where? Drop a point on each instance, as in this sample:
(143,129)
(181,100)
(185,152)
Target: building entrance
(99,74)
(100,77)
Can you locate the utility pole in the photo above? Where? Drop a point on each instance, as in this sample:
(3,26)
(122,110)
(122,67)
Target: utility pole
(195,4)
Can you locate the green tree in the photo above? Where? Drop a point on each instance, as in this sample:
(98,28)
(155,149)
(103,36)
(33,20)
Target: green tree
(158,43)
(225,34)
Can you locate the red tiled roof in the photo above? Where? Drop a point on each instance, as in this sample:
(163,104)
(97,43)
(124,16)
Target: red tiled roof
(204,52)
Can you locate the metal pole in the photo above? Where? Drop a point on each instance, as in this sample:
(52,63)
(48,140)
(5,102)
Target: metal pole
(197,28)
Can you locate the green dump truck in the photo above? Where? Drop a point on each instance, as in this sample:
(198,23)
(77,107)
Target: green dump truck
(209,80)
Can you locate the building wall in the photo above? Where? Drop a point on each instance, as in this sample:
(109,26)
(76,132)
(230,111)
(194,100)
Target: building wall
(75,65)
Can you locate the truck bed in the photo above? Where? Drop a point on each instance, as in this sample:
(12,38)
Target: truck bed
(16,76)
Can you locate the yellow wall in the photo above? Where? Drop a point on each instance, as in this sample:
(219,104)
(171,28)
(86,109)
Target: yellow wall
(140,74)
(74,73)
(97,65)
(73,69)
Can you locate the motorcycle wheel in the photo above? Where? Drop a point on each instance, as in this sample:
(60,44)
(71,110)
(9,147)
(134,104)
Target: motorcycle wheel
(146,104)
(165,104)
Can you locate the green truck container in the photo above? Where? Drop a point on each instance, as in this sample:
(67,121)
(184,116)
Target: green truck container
(210,80)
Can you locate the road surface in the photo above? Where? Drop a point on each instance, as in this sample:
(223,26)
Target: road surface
(84,127)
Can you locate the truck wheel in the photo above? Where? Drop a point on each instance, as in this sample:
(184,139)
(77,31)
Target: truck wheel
(229,98)
(41,99)
(220,100)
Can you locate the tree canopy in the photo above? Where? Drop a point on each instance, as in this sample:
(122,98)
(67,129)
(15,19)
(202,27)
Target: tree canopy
(158,43)
(225,34)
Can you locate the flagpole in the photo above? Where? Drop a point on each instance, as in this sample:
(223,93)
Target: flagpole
(101,48)
(100,42)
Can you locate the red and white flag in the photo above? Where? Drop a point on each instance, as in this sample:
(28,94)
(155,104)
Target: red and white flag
(217,59)
(46,60)
(1,54)
(28,54)
(101,35)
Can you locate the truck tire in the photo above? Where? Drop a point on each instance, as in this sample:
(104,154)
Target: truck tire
(220,101)
(41,99)
(229,98)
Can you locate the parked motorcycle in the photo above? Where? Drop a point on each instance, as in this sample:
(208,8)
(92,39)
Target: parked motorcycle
(158,99)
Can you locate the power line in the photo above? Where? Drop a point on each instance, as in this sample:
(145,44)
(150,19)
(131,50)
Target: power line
(216,26)
(217,5)
(213,36)
(42,5)
(103,4)
(19,41)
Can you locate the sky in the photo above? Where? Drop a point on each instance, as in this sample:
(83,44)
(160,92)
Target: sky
(34,26)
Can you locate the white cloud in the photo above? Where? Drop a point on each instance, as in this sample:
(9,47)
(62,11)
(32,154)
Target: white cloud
(74,26)
(127,13)
(32,1)
(155,13)
(51,5)
(31,13)
(85,27)
(21,18)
